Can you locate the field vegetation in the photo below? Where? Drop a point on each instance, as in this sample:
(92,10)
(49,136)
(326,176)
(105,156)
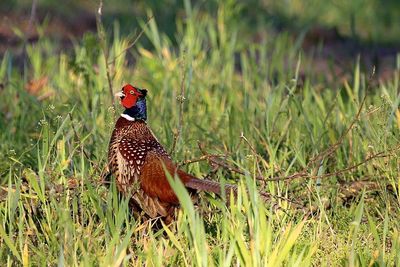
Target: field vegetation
(237,98)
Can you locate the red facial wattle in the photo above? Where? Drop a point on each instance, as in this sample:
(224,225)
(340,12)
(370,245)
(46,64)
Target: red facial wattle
(129,101)
(131,95)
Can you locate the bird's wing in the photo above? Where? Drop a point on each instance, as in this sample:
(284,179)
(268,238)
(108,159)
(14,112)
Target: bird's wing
(148,160)
(141,162)
(153,177)
(130,158)
(155,183)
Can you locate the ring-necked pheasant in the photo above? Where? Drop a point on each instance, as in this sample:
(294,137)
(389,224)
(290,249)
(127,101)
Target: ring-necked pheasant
(137,160)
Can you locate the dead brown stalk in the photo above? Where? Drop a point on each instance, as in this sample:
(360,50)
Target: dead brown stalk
(181,99)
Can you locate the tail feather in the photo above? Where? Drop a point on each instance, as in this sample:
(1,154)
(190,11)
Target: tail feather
(209,186)
(194,183)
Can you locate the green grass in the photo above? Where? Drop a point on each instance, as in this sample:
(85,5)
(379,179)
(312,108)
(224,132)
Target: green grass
(55,210)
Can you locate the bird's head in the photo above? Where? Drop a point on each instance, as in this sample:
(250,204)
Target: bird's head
(129,95)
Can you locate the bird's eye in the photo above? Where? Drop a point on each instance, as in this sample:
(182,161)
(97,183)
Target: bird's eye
(132,92)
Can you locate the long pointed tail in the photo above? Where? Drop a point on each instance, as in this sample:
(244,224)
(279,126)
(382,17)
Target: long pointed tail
(209,186)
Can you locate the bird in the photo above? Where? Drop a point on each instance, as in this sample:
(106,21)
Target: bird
(139,162)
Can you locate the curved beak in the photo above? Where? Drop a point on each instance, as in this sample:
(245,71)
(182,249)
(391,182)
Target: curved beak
(120,94)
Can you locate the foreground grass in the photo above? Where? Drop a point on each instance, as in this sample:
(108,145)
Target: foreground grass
(242,100)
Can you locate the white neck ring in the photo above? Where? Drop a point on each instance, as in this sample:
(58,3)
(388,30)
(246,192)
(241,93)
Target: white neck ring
(126,116)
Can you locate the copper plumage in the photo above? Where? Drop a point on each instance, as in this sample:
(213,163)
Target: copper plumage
(138,162)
